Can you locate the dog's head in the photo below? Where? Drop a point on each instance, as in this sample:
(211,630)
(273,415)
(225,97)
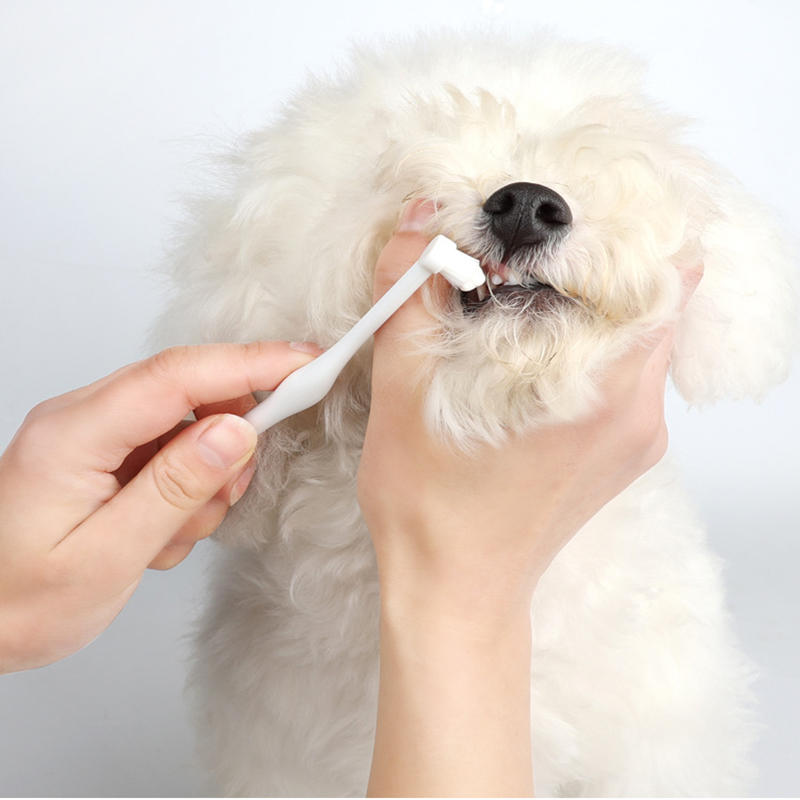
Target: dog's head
(546,162)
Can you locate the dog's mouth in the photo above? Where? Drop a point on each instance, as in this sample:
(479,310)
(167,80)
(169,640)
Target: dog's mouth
(504,287)
(522,224)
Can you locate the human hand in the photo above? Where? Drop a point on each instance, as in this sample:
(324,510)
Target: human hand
(461,542)
(102,482)
(494,518)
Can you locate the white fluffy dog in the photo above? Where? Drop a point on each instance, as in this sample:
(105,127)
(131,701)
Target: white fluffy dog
(546,162)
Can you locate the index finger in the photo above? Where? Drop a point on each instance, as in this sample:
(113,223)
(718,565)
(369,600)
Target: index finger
(141,402)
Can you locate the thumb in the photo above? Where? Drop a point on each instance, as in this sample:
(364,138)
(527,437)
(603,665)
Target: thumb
(195,465)
(402,250)
(398,361)
(171,488)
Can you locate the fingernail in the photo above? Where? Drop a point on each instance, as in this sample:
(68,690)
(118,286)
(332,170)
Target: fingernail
(226,441)
(240,487)
(307,347)
(416,215)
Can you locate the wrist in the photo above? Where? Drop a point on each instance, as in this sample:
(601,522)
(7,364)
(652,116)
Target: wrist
(464,605)
(453,583)
(454,704)
(443,635)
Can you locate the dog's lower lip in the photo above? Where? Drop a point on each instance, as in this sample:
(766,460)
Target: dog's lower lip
(471,300)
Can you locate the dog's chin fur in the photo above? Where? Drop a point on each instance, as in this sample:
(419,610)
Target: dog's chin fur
(638,687)
(506,369)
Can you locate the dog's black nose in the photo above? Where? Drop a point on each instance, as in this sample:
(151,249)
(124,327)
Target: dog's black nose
(523,214)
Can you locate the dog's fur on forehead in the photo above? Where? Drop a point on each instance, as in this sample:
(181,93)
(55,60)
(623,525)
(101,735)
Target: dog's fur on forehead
(286,665)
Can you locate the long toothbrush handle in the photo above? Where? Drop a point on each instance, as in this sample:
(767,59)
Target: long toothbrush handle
(309,384)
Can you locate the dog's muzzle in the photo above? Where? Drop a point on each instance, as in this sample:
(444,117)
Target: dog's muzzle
(522,222)
(526,214)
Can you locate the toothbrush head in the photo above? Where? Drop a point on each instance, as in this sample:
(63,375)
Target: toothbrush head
(463,271)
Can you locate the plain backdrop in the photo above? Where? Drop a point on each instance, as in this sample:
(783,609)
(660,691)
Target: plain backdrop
(105,109)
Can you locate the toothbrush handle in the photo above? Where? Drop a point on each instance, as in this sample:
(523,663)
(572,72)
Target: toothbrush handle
(309,384)
(405,286)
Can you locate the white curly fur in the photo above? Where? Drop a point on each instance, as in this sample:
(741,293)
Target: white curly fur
(638,687)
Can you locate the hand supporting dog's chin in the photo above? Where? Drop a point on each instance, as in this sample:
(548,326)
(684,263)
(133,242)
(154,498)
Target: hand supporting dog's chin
(544,483)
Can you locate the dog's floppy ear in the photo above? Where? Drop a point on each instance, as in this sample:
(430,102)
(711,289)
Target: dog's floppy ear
(738,333)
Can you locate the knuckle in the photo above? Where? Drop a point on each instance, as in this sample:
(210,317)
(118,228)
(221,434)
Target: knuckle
(177,484)
(40,410)
(34,430)
(660,444)
(163,364)
(648,427)
(651,441)
(34,440)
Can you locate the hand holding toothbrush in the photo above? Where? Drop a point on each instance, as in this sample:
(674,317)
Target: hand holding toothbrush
(107,480)
(102,482)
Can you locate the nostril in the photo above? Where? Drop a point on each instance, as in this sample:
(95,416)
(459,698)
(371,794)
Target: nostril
(554,214)
(501,202)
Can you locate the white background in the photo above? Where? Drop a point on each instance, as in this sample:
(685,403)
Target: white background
(104,109)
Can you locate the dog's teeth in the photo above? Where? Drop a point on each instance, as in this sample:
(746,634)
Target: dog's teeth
(496,279)
(513,280)
(483,293)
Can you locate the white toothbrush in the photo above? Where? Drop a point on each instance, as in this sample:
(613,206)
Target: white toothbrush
(309,384)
